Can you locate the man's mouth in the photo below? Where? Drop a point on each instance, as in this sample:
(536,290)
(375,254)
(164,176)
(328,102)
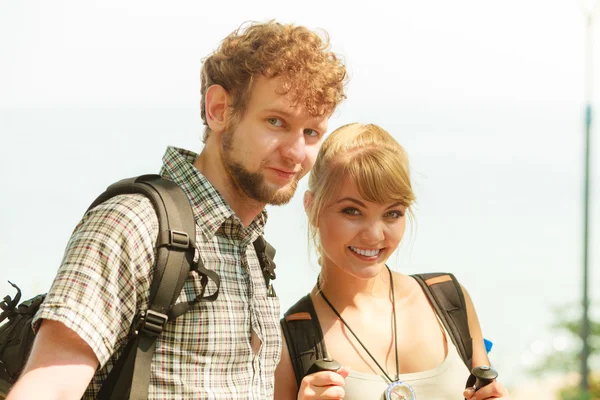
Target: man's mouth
(283,173)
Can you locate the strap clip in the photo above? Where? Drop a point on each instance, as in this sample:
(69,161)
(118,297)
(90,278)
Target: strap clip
(178,240)
(152,323)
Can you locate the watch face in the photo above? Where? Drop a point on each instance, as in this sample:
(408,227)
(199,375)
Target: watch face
(400,391)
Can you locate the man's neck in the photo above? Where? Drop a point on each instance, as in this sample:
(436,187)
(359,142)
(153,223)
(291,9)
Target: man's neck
(210,164)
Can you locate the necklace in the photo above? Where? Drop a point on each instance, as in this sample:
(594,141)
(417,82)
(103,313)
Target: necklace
(397,390)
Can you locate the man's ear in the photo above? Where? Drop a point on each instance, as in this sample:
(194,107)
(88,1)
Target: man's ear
(217,108)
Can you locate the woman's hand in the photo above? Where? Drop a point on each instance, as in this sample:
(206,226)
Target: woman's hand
(324,385)
(494,390)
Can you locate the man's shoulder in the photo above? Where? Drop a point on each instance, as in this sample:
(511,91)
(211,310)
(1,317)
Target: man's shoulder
(135,204)
(130,213)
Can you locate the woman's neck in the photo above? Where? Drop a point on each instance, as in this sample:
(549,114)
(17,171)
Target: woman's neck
(347,290)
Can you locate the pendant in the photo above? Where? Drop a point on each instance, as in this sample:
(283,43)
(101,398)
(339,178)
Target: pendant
(399,390)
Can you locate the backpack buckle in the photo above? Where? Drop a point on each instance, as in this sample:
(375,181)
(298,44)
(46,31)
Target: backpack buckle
(152,323)
(179,240)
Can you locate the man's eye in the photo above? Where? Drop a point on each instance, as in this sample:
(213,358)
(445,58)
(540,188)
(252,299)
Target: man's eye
(275,122)
(311,133)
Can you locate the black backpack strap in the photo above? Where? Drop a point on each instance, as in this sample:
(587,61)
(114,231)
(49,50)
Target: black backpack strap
(303,336)
(448,300)
(175,248)
(266,253)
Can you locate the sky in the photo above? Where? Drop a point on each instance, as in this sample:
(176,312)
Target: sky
(486,97)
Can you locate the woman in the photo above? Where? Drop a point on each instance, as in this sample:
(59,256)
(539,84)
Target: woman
(377,321)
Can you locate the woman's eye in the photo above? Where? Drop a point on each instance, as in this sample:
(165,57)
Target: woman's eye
(351,211)
(394,214)
(275,122)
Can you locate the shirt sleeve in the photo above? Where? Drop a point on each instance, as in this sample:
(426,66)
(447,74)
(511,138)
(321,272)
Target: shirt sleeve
(105,273)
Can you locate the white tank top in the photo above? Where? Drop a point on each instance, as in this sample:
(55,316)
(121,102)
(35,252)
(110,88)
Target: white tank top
(445,382)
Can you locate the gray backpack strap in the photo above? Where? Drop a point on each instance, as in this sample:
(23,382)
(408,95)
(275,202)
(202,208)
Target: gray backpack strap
(303,336)
(447,298)
(175,248)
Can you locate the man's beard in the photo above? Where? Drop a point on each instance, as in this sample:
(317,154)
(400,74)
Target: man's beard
(253,184)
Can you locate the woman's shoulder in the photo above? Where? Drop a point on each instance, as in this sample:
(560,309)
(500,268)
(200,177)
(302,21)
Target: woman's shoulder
(407,286)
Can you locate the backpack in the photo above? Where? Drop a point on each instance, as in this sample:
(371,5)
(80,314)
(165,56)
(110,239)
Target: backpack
(304,337)
(175,248)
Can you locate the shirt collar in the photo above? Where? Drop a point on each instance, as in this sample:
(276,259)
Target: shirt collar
(210,209)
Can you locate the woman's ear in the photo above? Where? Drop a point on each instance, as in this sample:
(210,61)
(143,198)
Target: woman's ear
(217,108)
(308,199)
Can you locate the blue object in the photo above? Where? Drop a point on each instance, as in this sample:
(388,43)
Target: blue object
(488,345)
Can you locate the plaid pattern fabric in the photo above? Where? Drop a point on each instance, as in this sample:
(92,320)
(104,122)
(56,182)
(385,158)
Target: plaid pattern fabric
(104,280)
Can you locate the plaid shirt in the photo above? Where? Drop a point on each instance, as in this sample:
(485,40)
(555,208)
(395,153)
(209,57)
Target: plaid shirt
(105,277)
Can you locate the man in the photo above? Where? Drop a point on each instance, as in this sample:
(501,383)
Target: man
(267,94)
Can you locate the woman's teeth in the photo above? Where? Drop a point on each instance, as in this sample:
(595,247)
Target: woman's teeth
(366,253)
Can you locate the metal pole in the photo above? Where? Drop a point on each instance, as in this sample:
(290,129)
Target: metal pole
(585,322)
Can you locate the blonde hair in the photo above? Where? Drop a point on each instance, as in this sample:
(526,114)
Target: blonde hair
(371,158)
(311,75)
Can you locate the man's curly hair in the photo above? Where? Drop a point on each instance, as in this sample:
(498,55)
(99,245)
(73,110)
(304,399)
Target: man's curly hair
(312,76)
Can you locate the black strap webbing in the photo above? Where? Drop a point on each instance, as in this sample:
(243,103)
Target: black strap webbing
(303,336)
(447,298)
(266,253)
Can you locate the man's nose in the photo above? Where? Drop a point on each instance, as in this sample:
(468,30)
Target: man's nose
(295,148)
